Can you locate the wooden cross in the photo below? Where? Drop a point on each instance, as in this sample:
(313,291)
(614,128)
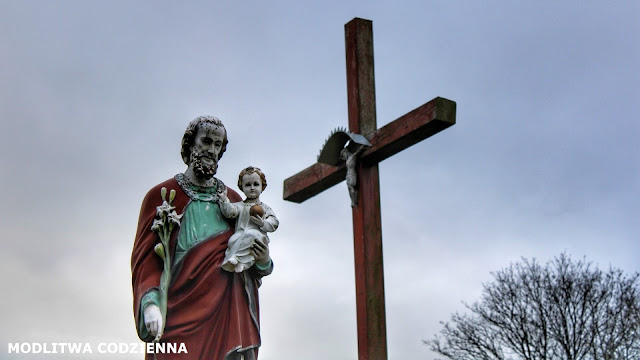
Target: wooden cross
(415,126)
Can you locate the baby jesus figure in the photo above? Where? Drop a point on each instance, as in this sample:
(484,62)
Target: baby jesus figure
(253,220)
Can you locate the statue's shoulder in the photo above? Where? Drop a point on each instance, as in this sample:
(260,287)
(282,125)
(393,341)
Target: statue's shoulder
(169,184)
(153,198)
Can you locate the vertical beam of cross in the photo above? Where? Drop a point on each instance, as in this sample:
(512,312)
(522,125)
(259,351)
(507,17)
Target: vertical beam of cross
(367,227)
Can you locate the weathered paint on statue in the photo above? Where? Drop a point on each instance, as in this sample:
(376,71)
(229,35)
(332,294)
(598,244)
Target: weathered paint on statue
(215,313)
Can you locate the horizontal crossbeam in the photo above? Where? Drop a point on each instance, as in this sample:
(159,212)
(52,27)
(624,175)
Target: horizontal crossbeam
(411,128)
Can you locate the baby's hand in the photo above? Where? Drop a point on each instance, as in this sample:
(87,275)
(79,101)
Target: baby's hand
(257,220)
(223,196)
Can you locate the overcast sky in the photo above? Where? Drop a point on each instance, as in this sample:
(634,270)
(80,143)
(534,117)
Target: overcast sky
(95,97)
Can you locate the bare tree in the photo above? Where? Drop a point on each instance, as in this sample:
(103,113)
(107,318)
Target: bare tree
(564,310)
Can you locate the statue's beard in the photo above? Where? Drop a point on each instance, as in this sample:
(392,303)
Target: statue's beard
(201,169)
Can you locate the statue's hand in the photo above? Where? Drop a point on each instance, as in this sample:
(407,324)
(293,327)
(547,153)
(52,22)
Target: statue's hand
(257,220)
(153,320)
(260,252)
(223,196)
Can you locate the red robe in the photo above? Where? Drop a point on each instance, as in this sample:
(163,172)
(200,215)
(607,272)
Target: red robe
(213,312)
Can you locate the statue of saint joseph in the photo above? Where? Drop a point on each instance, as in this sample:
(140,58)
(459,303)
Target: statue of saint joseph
(214,312)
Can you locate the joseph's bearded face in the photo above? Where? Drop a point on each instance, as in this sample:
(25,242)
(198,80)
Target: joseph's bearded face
(206,150)
(203,166)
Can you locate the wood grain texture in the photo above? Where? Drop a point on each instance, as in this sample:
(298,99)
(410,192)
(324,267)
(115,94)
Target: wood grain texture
(367,224)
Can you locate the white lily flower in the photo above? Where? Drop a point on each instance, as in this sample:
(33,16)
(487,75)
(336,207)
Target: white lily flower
(164,209)
(157,225)
(163,229)
(173,217)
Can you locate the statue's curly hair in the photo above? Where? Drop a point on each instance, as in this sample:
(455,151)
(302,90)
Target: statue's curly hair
(189,136)
(250,170)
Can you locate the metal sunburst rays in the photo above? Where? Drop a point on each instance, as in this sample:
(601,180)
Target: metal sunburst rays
(337,140)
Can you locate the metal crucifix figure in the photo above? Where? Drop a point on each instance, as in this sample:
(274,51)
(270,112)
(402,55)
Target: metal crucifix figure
(345,146)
